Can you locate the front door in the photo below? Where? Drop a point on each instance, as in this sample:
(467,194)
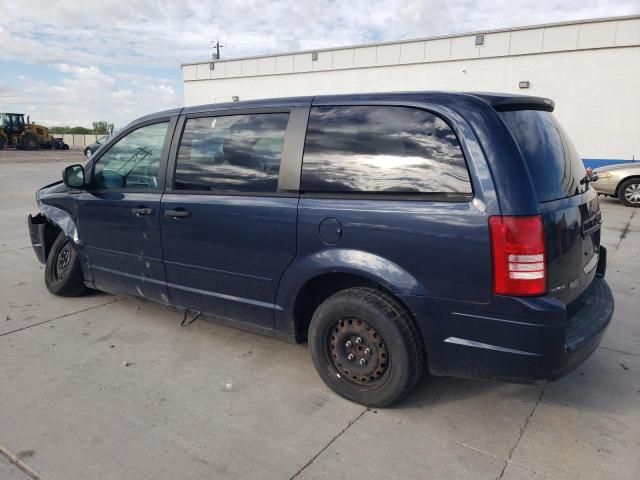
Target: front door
(118,217)
(228,231)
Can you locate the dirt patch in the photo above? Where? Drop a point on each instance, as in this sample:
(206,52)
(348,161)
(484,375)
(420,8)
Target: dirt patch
(9,155)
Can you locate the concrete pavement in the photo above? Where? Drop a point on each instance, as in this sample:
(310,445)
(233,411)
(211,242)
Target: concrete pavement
(209,402)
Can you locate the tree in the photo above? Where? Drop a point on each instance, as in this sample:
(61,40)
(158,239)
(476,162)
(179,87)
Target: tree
(102,127)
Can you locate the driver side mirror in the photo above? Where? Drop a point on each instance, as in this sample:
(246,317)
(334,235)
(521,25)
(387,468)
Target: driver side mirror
(73,176)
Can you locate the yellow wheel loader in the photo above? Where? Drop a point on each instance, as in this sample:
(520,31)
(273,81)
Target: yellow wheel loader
(15,132)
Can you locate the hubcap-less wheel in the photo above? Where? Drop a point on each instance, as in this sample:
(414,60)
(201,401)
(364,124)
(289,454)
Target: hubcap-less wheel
(62,262)
(358,352)
(632,193)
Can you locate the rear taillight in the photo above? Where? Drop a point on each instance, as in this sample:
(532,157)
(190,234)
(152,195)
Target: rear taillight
(519,260)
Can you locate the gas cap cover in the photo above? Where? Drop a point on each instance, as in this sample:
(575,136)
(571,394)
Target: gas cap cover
(330,231)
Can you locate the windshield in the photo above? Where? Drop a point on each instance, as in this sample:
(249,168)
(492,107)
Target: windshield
(552,159)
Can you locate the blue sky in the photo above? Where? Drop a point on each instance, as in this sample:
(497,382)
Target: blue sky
(70,63)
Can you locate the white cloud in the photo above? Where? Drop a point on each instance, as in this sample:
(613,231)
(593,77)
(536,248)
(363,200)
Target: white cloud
(87,40)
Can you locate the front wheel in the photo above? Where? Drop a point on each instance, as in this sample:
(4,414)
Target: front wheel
(63,272)
(629,192)
(366,346)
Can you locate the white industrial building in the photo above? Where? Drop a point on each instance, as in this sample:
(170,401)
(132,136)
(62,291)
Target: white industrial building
(591,69)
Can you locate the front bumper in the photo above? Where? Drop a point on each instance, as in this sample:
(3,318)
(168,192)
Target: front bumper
(515,339)
(37,227)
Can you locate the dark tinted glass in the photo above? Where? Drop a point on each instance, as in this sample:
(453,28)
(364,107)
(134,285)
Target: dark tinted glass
(554,163)
(376,149)
(134,161)
(237,153)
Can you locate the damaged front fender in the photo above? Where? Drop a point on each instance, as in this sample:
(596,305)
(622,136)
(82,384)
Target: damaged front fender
(63,220)
(43,235)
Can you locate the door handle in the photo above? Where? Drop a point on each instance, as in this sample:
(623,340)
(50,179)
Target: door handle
(177,213)
(142,211)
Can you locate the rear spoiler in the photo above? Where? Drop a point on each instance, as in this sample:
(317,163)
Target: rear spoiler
(509,103)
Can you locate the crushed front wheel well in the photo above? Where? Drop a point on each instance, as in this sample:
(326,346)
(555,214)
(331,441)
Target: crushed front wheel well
(51,232)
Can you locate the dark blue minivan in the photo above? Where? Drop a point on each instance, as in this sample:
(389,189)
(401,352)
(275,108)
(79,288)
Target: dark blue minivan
(399,232)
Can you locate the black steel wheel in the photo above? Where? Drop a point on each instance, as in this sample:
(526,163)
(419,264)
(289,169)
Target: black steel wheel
(63,272)
(358,352)
(366,346)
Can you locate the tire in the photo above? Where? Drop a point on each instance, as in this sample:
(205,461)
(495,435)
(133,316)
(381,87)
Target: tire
(29,141)
(3,141)
(64,147)
(63,272)
(396,358)
(629,192)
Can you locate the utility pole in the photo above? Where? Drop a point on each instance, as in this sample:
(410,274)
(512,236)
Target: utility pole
(217,46)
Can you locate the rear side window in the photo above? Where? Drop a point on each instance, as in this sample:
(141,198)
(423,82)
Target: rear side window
(379,149)
(235,153)
(554,164)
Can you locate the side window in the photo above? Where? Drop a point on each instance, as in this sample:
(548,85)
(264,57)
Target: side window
(235,153)
(379,149)
(134,161)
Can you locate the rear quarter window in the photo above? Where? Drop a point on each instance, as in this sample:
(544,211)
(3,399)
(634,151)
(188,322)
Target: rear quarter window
(382,150)
(552,160)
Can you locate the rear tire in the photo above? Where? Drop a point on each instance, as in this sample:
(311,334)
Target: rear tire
(3,141)
(359,324)
(63,272)
(29,141)
(629,192)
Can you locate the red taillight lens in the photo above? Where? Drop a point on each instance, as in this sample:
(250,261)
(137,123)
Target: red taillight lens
(519,260)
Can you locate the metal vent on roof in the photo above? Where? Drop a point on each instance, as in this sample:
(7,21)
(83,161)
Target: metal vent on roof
(480,39)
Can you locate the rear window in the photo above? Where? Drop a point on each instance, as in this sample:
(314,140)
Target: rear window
(553,162)
(382,149)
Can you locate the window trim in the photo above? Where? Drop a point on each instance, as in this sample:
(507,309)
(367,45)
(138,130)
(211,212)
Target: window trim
(290,161)
(423,196)
(171,124)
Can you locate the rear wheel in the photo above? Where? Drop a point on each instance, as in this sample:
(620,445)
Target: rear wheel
(29,141)
(629,192)
(366,347)
(63,273)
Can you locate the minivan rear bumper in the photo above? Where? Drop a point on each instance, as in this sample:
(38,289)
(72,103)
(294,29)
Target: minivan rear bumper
(515,339)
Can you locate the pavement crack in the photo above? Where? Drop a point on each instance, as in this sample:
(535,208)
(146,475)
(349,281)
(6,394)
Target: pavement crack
(19,464)
(313,459)
(620,351)
(522,430)
(61,316)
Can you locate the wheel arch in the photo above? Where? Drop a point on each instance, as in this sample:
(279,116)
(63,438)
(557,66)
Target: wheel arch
(624,180)
(309,281)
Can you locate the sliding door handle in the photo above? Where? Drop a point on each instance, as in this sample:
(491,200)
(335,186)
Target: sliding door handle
(142,211)
(177,213)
